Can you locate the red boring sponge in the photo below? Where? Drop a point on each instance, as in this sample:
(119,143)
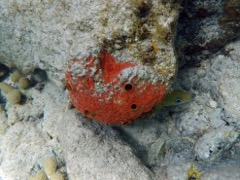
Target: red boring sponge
(109,91)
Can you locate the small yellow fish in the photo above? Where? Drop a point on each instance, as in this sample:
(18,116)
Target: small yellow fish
(176,97)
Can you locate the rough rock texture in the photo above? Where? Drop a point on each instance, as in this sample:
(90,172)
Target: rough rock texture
(202,132)
(219,172)
(21,147)
(95,152)
(82,146)
(46,34)
(206,26)
(212,143)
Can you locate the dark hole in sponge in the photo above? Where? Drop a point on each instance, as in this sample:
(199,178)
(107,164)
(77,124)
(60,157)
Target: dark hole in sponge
(128,87)
(86,112)
(133,106)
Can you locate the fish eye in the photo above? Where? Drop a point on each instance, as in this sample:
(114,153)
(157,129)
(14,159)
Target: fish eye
(178,100)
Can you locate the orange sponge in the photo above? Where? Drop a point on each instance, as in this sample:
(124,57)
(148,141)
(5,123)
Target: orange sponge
(99,91)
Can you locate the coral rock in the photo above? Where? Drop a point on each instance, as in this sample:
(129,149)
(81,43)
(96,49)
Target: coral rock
(112,91)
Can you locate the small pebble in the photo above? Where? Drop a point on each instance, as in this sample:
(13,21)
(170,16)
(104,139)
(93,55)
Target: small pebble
(212,104)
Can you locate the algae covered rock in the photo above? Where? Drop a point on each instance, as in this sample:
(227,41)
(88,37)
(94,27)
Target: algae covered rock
(230,19)
(139,31)
(205,26)
(213,143)
(133,32)
(133,64)
(142,32)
